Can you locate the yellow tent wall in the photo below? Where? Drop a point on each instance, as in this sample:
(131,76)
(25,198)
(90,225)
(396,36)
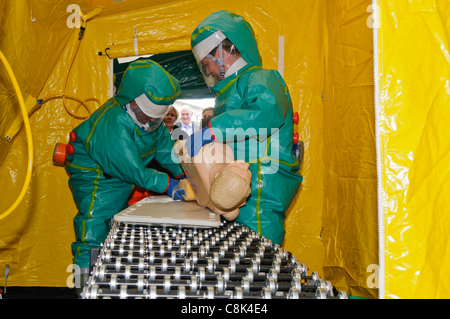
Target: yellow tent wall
(414,117)
(329,80)
(349,211)
(328,66)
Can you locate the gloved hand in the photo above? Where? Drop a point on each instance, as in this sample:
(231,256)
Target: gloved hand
(197,140)
(174,190)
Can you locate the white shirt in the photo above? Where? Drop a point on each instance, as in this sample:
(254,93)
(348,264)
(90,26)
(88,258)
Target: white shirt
(187,128)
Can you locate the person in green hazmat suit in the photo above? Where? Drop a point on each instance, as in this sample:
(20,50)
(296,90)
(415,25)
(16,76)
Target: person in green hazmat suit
(112,149)
(253,114)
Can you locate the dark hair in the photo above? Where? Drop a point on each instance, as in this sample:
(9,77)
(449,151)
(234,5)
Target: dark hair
(227,46)
(207,109)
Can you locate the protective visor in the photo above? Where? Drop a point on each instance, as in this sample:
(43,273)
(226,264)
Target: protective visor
(204,55)
(148,115)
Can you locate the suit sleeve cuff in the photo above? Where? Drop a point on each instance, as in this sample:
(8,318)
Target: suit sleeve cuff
(212,132)
(168,183)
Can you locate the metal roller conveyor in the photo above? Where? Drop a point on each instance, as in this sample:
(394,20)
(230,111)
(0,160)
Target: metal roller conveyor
(228,262)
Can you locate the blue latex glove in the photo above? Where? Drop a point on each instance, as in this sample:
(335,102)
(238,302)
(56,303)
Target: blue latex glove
(197,140)
(174,190)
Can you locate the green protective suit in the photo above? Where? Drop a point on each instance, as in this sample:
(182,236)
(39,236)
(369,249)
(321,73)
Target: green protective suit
(111,154)
(253,114)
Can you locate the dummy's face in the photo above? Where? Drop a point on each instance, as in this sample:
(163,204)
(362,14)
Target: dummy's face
(170,118)
(186,117)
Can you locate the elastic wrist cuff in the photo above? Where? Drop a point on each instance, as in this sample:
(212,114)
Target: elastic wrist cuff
(167,187)
(212,132)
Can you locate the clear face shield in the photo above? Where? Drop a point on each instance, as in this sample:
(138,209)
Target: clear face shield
(214,56)
(147,115)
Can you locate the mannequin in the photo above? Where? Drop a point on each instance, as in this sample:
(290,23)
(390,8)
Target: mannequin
(215,179)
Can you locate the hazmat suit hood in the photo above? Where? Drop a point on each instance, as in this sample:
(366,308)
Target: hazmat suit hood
(237,30)
(147,76)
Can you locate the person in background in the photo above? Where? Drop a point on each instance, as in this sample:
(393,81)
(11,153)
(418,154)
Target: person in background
(111,150)
(170,119)
(186,123)
(207,115)
(253,114)
(207,112)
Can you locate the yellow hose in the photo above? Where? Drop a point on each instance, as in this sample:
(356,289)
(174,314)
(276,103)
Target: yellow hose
(74,97)
(26,121)
(63,94)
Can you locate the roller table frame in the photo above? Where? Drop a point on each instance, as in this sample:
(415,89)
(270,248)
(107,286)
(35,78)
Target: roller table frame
(228,262)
